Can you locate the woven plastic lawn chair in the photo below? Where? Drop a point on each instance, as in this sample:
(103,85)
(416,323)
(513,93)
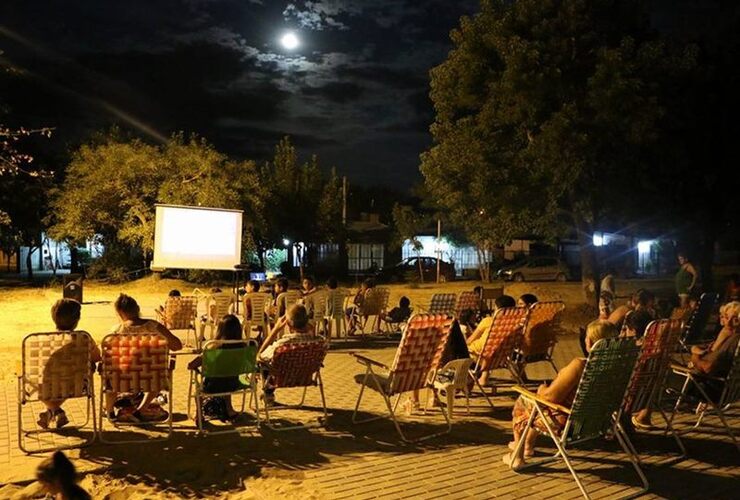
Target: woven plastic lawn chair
(180,313)
(297,365)
(255,316)
(374,306)
(131,363)
(413,368)
(240,361)
(596,407)
(442,303)
(730,393)
(220,303)
(540,334)
(55,367)
(335,316)
(467,303)
(651,372)
(502,340)
(695,328)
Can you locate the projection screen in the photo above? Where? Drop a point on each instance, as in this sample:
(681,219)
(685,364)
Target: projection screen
(197,238)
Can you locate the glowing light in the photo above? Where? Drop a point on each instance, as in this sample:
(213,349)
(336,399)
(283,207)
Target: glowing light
(286,241)
(598,240)
(289,41)
(644,246)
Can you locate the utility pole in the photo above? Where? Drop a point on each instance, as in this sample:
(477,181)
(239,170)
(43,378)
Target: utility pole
(439,239)
(344,201)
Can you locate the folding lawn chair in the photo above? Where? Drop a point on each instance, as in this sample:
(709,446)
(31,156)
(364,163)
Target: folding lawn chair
(240,362)
(180,313)
(540,334)
(297,365)
(595,409)
(729,394)
(468,304)
(55,367)
(132,363)
(442,303)
(413,367)
(257,317)
(489,295)
(374,306)
(695,328)
(651,372)
(502,340)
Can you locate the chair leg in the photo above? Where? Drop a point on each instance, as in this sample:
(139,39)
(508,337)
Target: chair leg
(669,428)
(629,449)
(451,402)
(718,409)
(475,380)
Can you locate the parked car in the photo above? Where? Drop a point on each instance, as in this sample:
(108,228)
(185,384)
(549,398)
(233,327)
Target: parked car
(535,269)
(410,267)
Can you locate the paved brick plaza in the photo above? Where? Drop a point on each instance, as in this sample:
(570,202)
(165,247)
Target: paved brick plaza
(370,461)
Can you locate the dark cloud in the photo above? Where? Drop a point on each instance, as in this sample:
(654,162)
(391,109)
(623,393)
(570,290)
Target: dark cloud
(354,92)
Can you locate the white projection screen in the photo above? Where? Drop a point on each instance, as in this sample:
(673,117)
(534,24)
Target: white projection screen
(197,238)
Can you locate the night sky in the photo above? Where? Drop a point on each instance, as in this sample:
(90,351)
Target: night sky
(354,92)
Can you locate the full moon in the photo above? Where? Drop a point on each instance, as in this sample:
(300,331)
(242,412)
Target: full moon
(289,41)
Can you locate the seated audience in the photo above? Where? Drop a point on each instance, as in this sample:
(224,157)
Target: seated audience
(129,313)
(732,291)
(331,285)
(606,304)
(299,330)
(58,477)
(252,286)
(561,390)
(400,313)
(66,315)
(354,311)
(308,286)
(229,328)
(172,294)
(636,322)
(477,340)
(641,299)
(277,307)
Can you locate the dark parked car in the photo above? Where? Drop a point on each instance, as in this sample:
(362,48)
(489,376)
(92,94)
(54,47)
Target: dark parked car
(408,268)
(535,269)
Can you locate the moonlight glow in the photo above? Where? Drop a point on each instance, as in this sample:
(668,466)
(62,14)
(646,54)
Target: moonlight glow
(289,41)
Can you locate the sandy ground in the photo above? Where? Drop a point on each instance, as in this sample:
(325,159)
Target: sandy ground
(26,310)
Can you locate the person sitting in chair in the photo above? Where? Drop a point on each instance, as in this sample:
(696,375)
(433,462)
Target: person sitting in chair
(300,330)
(66,316)
(400,313)
(561,390)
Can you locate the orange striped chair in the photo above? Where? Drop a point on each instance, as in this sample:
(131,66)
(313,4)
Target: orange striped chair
(540,334)
(180,313)
(414,366)
(502,339)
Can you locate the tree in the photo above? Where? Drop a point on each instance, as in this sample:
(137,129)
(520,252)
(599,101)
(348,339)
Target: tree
(545,111)
(408,222)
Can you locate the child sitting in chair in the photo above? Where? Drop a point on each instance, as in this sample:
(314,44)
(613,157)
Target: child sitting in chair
(299,331)
(400,313)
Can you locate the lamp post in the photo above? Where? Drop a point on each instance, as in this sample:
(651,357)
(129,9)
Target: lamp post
(439,238)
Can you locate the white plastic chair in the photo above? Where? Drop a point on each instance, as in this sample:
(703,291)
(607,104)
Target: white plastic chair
(446,390)
(258,318)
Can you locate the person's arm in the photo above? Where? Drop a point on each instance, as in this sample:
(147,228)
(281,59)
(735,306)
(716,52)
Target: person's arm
(482,328)
(704,362)
(173,342)
(565,382)
(279,326)
(692,271)
(195,363)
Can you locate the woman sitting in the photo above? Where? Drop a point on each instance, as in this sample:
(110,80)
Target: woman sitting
(129,313)
(561,391)
(229,328)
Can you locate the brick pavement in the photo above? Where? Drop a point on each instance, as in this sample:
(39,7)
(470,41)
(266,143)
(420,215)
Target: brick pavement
(370,461)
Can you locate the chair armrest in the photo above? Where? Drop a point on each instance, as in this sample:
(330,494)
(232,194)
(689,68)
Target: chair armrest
(685,370)
(533,396)
(367,361)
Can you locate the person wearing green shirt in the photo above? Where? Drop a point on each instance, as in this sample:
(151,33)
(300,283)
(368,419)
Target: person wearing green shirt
(685,279)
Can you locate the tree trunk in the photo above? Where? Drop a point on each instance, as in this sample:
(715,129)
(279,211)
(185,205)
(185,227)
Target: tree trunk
(74,260)
(421,269)
(29,262)
(589,266)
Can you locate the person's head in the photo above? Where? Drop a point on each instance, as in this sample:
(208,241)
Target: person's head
(174,293)
(331,283)
(281,285)
(297,317)
(216,289)
(253,286)
(729,314)
(66,314)
(126,307)
(526,300)
(308,283)
(504,301)
(734,279)
(478,290)
(693,301)
(404,302)
(599,329)
(682,258)
(366,284)
(606,295)
(637,322)
(56,473)
(642,299)
(229,328)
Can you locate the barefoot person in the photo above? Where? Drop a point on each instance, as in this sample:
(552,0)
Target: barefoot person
(561,391)
(129,313)
(66,316)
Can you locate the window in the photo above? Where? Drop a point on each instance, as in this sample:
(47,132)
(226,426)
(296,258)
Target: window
(362,256)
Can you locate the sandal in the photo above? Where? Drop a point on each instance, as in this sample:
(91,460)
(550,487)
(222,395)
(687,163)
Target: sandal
(637,424)
(44,419)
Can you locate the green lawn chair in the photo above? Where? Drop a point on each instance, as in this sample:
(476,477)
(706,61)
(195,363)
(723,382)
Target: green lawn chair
(596,407)
(239,361)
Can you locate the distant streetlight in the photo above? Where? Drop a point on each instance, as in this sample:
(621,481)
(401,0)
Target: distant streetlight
(286,242)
